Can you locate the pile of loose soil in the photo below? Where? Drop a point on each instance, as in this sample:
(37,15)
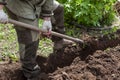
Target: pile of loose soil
(95,61)
(102,65)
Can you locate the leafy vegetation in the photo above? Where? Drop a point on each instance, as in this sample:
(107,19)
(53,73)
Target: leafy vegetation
(8,45)
(91,13)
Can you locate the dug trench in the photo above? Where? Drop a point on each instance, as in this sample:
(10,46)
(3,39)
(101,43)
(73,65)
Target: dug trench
(99,60)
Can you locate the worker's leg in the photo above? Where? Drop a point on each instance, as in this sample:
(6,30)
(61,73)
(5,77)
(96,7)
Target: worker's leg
(28,45)
(58,26)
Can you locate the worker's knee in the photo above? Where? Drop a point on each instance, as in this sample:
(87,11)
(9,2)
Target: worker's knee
(28,52)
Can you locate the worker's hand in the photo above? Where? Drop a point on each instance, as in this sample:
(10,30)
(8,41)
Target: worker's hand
(3,16)
(47,26)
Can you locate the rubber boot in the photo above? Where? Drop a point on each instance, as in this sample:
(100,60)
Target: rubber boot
(59,46)
(41,76)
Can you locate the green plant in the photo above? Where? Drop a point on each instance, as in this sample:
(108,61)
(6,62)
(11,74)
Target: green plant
(93,13)
(110,32)
(45,47)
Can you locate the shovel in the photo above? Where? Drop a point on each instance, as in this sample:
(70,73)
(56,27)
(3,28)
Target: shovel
(24,25)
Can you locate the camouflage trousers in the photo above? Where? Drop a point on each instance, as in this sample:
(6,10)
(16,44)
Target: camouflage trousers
(29,40)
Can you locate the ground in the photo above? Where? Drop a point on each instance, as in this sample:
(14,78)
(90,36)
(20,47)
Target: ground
(98,60)
(102,65)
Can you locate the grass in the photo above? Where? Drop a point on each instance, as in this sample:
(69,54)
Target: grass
(9,45)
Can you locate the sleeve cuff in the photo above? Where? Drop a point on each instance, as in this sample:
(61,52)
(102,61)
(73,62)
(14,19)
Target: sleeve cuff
(46,13)
(3,3)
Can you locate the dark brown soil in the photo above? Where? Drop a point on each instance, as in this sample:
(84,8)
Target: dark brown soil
(102,65)
(95,61)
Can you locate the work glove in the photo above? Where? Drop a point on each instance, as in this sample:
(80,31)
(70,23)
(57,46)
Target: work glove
(3,17)
(47,27)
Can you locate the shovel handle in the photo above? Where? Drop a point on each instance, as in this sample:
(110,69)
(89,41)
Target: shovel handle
(32,27)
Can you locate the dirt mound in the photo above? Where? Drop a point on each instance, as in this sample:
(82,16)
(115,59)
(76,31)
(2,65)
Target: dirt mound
(9,71)
(99,66)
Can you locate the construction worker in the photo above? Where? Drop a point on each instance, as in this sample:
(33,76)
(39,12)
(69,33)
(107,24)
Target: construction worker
(29,11)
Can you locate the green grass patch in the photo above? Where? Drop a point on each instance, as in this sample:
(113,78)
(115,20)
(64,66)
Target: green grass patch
(9,46)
